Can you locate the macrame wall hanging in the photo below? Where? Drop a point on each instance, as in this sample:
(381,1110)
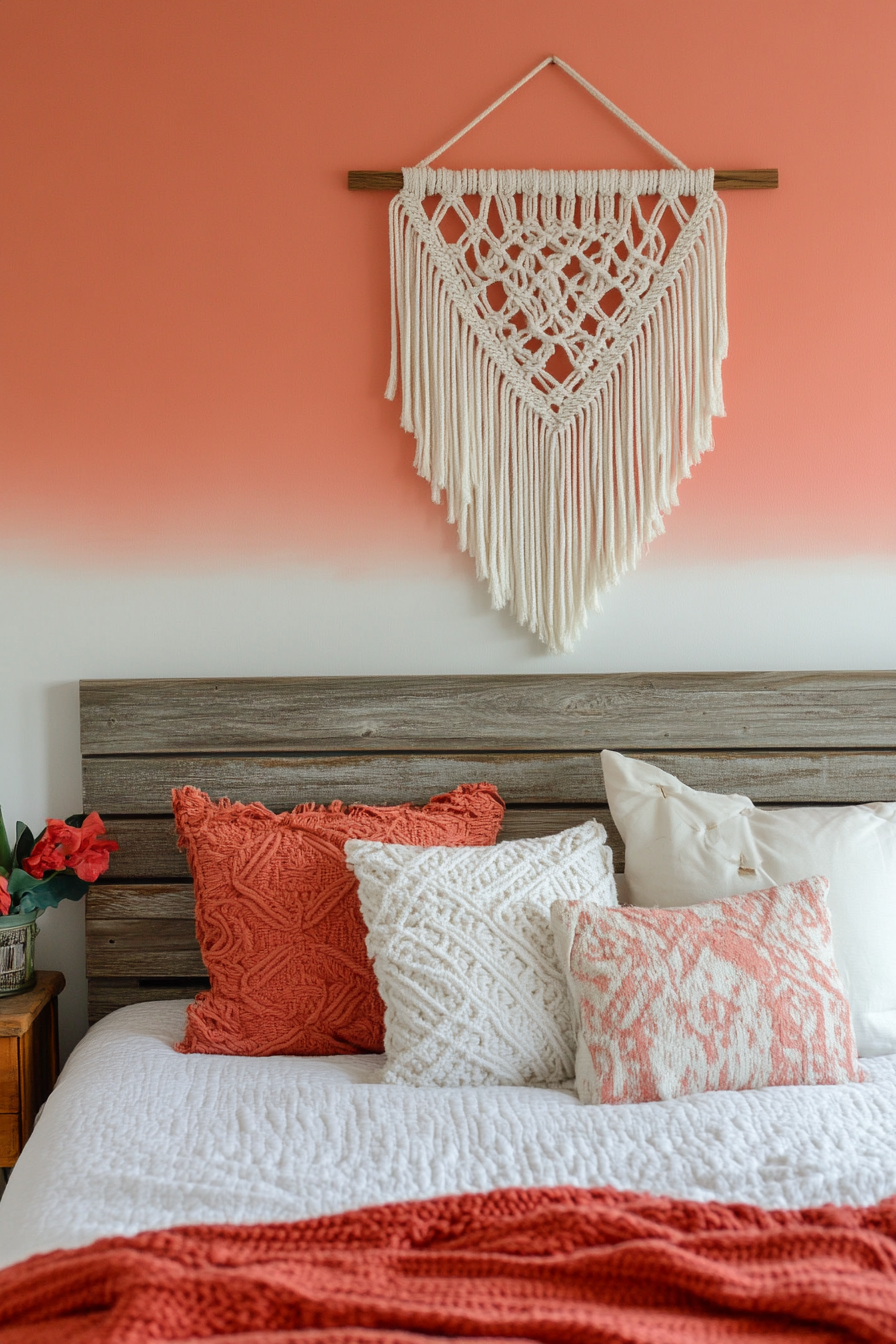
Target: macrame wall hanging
(558,338)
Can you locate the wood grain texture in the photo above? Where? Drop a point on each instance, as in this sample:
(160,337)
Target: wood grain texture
(129,946)
(9,1074)
(105,995)
(148,845)
(726,179)
(143,784)
(148,900)
(29,1060)
(114,784)
(162,963)
(10,1141)
(746,179)
(147,851)
(138,931)
(733,711)
(28,1081)
(19,1011)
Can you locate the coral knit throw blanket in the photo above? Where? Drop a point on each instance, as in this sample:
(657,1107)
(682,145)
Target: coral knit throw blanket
(561,1264)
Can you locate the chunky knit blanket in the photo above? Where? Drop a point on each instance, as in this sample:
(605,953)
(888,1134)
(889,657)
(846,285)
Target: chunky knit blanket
(559,1264)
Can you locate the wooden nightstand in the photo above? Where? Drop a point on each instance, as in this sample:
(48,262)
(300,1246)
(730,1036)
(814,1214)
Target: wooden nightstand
(29,1059)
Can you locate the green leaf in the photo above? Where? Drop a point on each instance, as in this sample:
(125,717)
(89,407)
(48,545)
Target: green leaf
(5,851)
(49,891)
(24,844)
(20,881)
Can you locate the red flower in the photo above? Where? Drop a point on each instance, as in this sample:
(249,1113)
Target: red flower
(5,898)
(84,848)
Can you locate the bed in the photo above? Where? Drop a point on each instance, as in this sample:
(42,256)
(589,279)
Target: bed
(137,1137)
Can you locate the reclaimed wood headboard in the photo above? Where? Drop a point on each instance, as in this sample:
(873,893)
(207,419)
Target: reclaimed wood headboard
(781,738)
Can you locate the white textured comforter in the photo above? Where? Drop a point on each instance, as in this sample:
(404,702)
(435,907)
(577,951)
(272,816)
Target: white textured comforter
(136,1136)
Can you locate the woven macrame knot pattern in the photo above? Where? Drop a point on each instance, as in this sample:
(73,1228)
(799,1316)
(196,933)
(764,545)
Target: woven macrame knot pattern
(558,269)
(560,338)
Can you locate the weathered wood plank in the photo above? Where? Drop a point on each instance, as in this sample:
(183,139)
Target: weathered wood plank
(162,902)
(148,845)
(144,962)
(147,850)
(143,947)
(141,935)
(105,995)
(810,710)
(126,936)
(143,784)
(524,823)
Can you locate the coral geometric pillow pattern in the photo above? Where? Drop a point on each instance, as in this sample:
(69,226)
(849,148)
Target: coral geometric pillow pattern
(278,919)
(732,994)
(464,956)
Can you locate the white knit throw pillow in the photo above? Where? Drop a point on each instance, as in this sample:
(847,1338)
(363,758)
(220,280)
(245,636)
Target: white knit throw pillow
(464,955)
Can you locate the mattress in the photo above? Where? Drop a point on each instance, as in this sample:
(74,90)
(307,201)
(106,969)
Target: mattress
(136,1136)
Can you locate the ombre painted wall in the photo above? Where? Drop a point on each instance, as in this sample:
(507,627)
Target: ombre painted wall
(200,473)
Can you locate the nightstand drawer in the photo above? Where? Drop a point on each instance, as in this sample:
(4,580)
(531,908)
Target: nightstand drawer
(9,1074)
(29,1059)
(9,1139)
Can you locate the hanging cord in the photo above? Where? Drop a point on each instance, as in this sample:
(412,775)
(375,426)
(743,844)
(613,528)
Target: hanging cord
(573,74)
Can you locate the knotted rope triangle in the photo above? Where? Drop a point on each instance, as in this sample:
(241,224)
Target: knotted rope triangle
(559,337)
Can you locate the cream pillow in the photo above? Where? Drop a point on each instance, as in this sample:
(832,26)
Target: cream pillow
(684,846)
(464,956)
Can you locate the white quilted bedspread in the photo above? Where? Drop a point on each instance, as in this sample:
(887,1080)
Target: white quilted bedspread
(136,1136)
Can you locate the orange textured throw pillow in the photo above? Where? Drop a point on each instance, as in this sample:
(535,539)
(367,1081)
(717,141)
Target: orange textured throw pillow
(279,922)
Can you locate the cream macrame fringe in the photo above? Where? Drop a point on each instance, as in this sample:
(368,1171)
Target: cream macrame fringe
(554,512)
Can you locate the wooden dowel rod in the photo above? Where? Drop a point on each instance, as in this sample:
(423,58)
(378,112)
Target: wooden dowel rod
(726,179)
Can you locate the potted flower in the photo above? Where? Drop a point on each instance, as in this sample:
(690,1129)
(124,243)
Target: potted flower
(34,874)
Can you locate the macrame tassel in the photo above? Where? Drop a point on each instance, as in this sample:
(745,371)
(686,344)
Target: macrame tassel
(555,513)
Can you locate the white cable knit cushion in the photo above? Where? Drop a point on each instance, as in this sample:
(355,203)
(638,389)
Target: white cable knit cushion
(464,955)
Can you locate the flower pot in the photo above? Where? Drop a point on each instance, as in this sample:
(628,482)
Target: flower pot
(17,935)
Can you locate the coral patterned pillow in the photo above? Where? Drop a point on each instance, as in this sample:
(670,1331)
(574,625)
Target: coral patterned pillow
(278,918)
(732,994)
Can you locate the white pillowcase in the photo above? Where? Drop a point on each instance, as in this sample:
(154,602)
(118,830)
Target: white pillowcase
(684,846)
(464,955)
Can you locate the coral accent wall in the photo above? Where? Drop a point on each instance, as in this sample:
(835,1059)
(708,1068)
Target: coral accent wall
(194,308)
